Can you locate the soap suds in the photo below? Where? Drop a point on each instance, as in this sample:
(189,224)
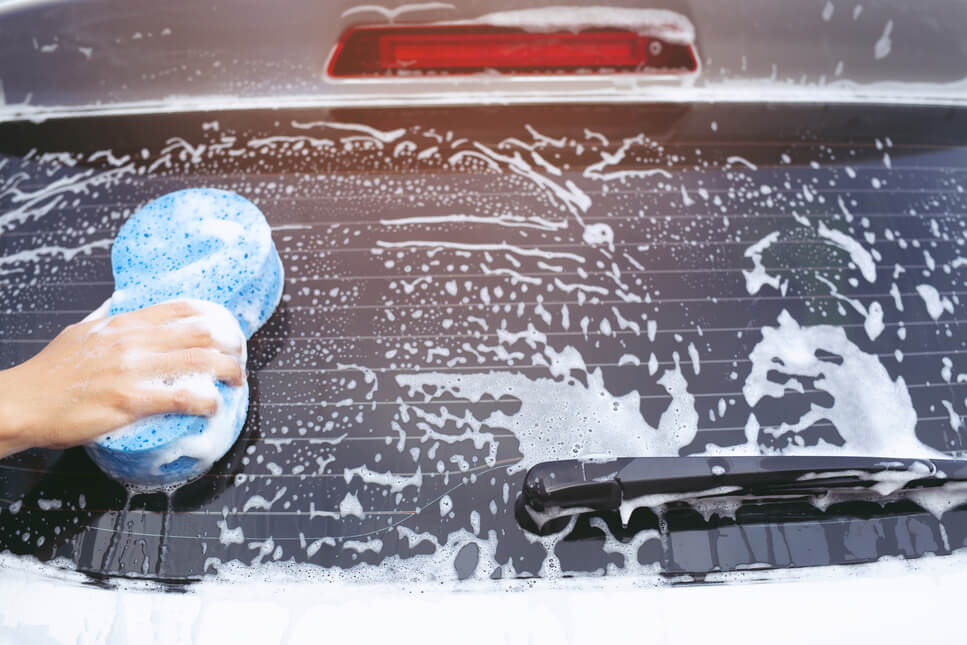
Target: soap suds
(884,44)
(758,276)
(874,321)
(350,506)
(564,419)
(668,25)
(229,536)
(936,305)
(859,255)
(872,413)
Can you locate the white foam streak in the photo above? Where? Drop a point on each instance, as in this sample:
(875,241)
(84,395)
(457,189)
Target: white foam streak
(597,170)
(66,253)
(396,483)
(392,14)
(462,246)
(668,25)
(860,256)
(569,195)
(508,220)
(388,136)
(758,276)
(35,205)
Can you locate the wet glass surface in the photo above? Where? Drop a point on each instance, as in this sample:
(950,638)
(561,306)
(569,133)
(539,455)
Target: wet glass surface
(470,291)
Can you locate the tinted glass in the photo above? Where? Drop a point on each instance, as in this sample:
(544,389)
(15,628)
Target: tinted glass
(472,291)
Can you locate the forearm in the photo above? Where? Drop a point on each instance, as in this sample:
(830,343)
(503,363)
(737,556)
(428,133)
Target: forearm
(15,432)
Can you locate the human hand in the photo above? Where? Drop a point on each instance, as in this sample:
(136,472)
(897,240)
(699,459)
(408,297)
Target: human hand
(100,375)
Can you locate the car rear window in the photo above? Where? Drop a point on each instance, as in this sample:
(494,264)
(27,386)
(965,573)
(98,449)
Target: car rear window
(472,291)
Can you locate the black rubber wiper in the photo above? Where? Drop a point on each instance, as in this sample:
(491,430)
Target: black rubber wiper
(560,488)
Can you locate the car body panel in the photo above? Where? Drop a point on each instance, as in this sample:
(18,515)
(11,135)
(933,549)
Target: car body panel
(891,601)
(365,483)
(93,56)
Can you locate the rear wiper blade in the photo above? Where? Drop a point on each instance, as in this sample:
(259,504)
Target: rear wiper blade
(556,489)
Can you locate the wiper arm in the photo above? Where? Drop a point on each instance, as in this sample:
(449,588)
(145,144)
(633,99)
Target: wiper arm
(560,488)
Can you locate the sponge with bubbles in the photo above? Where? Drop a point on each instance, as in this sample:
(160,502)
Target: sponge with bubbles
(215,248)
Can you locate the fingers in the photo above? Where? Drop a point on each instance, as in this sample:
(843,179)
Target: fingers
(148,317)
(152,316)
(161,314)
(187,334)
(172,326)
(171,401)
(194,360)
(181,336)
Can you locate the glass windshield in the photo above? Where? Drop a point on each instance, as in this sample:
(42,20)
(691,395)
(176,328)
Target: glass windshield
(470,292)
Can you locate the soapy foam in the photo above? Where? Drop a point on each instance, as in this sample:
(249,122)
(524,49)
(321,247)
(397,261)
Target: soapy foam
(758,276)
(668,25)
(859,255)
(872,413)
(33,255)
(563,418)
(936,305)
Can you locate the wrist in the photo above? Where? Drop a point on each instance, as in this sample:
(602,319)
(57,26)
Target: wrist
(14,419)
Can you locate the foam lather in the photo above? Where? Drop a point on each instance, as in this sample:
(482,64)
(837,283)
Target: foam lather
(214,248)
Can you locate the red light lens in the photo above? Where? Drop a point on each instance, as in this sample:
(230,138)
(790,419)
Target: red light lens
(465,49)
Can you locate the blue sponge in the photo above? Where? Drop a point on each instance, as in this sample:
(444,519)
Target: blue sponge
(198,243)
(213,247)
